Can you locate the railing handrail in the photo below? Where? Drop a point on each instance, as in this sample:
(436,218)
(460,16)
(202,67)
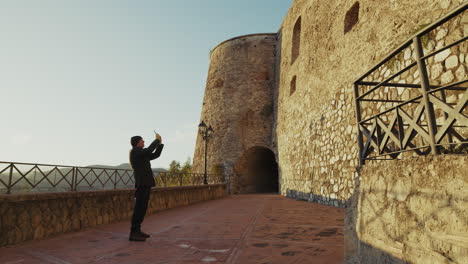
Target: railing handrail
(93,167)
(72,178)
(57,165)
(395,134)
(456,11)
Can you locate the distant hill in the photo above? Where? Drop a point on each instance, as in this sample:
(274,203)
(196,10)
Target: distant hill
(125,166)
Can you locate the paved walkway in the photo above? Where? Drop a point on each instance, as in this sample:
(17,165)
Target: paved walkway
(242,229)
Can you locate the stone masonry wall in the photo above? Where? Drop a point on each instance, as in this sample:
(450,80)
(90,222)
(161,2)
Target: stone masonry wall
(37,216)
(238,101)
(315,129)
(410,211)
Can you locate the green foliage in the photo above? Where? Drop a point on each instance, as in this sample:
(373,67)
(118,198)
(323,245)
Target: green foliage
(426,37)
(181,173)
(174,167)
(218,170)
(392,63)
(187,167)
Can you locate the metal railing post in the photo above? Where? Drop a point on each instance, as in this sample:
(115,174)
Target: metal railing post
(115,179)
(10,179)
(73,183)
(428,107)
(358,120)
(72,179)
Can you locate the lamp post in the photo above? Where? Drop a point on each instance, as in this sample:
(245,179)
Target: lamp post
(207,133)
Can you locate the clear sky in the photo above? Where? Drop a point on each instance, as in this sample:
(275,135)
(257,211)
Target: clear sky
(79,78)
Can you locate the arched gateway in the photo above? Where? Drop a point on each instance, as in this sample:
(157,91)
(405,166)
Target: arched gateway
(256,171)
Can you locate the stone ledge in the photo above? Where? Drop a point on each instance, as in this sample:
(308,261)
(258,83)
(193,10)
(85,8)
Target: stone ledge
(26,217)
(80,194)
(243,36)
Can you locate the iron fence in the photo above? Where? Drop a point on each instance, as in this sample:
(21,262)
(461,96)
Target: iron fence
(414,101)
(17,177)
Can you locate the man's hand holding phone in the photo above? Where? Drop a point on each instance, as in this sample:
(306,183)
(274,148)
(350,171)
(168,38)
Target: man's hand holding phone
(158,137)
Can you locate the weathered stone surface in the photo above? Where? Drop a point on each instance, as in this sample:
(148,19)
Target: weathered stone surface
(240,107)
(436,71)
(421,200)
(441,34)
(442,55)
(451,62)
(447,77)
(24,220)
(461,73)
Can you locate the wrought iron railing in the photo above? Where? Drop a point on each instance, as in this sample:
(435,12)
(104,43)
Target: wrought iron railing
(16,177)
(414,101)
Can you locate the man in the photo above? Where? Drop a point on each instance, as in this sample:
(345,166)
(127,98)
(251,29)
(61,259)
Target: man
(140,161)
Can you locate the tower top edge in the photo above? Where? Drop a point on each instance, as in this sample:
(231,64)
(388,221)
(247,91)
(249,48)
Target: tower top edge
(243,36)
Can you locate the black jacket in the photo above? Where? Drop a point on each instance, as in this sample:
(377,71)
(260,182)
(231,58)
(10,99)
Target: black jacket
(140,162)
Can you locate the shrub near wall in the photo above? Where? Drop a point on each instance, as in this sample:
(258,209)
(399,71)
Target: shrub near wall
(37,216)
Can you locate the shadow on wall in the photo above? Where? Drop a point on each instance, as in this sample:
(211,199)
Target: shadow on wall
(351,241)
(426,228)
(352,244)
(418,213)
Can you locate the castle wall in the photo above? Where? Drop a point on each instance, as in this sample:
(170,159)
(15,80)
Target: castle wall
(238,102)
(417,213)
(315,129)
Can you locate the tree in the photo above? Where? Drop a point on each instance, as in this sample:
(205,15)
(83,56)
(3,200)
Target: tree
(182,173)
(218,172)
(187,167)
(174,167)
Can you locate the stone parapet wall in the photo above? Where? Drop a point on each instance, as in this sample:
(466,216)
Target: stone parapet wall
(410,211)
(36,216)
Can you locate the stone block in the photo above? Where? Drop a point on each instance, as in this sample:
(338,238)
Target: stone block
(441,56)
(447,77)
(451,62)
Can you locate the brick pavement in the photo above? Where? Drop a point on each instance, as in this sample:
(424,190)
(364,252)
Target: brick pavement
(241,229)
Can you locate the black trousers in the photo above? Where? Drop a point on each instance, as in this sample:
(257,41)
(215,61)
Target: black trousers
(142,195)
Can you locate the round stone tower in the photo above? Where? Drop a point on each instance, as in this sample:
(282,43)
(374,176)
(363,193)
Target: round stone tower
(239,105)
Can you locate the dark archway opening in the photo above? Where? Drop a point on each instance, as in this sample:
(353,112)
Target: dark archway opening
(257,171)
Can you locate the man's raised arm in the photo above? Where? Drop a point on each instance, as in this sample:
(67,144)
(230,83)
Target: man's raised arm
(152,147)
(156,154)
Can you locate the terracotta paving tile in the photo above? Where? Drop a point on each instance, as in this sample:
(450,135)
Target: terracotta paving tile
(278,252)
(242,229)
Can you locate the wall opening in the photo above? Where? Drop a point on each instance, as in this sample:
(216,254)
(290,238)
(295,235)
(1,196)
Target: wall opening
(351,17)
(296,41)
(292,88)
(256,171)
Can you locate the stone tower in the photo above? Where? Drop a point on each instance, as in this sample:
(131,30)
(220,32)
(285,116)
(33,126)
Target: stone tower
(239,104)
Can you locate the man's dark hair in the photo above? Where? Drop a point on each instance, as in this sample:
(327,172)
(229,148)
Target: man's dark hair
(134,140)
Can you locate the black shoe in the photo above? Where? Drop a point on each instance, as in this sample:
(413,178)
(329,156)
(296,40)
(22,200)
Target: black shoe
(134,236)
(143,234)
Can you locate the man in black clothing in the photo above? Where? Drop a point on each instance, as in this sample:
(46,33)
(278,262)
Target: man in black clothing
(140,161)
